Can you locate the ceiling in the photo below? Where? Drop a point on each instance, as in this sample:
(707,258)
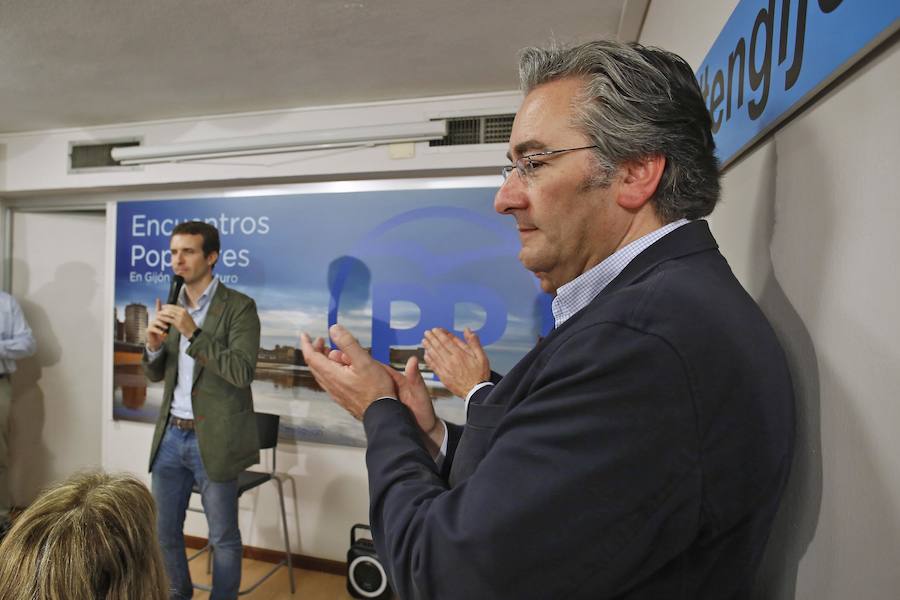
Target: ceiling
(79,63)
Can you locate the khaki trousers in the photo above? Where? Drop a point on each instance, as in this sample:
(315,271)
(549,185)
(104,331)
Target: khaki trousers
(5,403)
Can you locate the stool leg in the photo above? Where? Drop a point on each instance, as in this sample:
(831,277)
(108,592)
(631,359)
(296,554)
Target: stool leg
(287,541)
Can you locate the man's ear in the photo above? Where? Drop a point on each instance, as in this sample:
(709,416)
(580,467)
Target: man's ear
(639,180)
(211,258)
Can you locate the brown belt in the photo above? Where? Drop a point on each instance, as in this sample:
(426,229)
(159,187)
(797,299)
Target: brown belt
(182,424)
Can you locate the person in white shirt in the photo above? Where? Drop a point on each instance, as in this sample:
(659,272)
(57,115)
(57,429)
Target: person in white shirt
(16,342)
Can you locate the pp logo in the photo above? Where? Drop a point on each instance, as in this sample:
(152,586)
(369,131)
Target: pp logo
(436,259)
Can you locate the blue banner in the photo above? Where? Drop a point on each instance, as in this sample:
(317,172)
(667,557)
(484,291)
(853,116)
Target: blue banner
(386,264)
(772,55)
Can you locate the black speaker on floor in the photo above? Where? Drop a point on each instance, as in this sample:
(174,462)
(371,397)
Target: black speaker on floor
(366,577)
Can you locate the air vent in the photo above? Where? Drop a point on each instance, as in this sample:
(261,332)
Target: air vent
(88,157)
(493,129)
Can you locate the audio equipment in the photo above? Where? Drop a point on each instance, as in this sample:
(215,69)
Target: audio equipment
(366,577)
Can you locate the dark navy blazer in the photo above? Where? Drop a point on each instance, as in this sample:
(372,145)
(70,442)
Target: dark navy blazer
(638,451)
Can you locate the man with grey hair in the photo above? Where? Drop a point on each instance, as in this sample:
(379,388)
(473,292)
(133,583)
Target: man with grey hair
(640,449)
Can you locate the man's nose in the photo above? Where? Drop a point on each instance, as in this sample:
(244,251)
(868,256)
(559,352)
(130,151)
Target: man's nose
(512,195)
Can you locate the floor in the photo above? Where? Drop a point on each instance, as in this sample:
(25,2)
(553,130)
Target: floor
(311,585)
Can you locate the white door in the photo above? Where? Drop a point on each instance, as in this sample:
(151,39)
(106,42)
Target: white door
(57,276)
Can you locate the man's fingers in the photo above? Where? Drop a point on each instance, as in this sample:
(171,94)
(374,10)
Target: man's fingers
(317,345)
(435,340)
(412,364)
(429,348)
(473,340)
(433,363)
(314,360)
(450,341)
(439,348)
(158,305)
(166,311)
(306,345)
(339,357)
(435,359)
(348,344)
(412,373)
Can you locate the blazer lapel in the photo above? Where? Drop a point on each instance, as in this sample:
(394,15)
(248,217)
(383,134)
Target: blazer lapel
(212,321)
(173,345)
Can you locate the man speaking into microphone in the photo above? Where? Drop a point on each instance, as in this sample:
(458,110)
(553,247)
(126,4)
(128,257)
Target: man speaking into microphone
(203,342)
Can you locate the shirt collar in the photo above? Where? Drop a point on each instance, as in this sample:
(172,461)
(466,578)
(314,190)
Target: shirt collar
(204,298)
(578,293)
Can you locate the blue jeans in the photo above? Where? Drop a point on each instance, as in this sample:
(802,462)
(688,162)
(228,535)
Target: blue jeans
(176,467)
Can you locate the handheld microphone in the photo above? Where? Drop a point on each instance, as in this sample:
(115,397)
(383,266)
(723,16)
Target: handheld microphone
(174,292)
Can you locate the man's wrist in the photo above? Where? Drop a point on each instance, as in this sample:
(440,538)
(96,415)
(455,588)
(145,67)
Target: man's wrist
(379,399)
(151,355)
(435,438)
(477,387)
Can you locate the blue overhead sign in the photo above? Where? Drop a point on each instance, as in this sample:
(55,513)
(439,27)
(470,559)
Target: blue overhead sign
(772,56)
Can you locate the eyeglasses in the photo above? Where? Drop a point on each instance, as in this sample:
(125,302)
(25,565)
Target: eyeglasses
(526,165)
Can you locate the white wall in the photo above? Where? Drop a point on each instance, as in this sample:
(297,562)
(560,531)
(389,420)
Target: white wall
(809,223)
(56,409)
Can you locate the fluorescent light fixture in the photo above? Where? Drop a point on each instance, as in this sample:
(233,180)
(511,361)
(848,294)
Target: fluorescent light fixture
(277,143)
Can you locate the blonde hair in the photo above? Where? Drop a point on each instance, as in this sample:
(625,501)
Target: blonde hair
(90,537)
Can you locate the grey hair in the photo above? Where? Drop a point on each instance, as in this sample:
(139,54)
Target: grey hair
(638,102)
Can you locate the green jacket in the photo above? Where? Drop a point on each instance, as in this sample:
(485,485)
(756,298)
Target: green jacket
(225,353)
